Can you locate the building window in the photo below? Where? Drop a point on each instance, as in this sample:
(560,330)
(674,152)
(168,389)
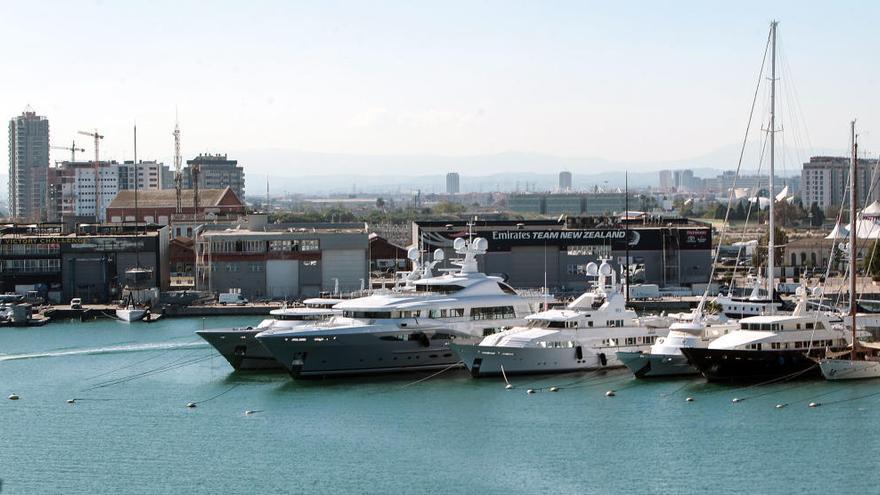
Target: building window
(309,245)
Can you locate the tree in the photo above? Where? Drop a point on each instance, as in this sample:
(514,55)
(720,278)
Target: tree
(873,261)
(760,257)
(817,216)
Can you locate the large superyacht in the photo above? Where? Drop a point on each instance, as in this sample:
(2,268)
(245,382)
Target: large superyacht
(240,347)
(585,335)
(406,331)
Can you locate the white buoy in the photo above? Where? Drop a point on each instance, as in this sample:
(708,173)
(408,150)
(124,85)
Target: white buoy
(71,401)
(554,389)
(814,404)
(508,386)
(689,399)
(610,393)
(780,406)
(190,404)
(735,400)
(13,396)
(530,391)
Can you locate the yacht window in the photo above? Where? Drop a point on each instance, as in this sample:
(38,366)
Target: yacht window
(555,324)
(442,336)
(438,289)
(649,339)
(590,323)
(395,337)
(809,326)
(493,313)
(506,288)
(775,345)
(798,326)
(367,314)
(765,326)
(744,326)
(404,314)
(820,326)
(630,341)
(489,331)
(538,323)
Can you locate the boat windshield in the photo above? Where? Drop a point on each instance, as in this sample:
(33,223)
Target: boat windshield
(300,317)
(438,289)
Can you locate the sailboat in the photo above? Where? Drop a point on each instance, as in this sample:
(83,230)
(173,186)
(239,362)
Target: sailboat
(135,277)
(863,359)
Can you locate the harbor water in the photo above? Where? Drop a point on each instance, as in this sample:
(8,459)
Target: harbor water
(129,430)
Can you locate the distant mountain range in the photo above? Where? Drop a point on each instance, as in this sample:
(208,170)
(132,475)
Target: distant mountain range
(298,172)
(301,172)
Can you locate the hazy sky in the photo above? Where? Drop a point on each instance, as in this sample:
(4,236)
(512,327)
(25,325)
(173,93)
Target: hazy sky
(634,81)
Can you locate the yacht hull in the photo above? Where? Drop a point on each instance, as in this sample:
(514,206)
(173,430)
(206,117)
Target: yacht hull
(131,315)
(484,361)
(847,369)
(734,365)
(647,365)
(358,354)
(241,349)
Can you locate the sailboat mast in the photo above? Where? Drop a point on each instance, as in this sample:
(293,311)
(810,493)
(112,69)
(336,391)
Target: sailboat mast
(771,244)
(853,228)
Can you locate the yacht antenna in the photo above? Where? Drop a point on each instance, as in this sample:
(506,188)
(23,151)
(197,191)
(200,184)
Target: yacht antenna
(771,243)
(853,220)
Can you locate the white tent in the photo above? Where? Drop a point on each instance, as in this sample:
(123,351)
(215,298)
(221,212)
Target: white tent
(866,228)
(873,210)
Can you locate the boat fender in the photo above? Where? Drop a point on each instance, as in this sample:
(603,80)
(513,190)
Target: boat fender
(689,399)
(780,406)
(610,393)
(602,359)
(814,404)
(190,405)
(735,400)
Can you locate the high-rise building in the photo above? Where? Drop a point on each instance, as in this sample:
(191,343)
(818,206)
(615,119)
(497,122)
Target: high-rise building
(565,181)
(72,185)
(452,183)
(824,181)
(215,172)
(666,180)
(28,166)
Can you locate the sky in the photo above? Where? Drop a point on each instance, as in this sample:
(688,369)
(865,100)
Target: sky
(637,82)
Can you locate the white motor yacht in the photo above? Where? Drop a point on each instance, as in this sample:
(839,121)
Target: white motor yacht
(585,335)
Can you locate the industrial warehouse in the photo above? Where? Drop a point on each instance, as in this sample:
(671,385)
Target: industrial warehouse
(669,252)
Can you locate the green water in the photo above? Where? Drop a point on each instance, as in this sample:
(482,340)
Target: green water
(449,434)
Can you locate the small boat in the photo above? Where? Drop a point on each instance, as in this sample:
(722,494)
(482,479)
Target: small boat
(130,312)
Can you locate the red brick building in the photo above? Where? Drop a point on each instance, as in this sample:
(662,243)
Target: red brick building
(158,206)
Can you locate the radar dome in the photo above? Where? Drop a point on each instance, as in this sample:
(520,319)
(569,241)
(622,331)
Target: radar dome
(412,253)
(481,244)
(439,255)
(605,269)
(459,244)
(592,269)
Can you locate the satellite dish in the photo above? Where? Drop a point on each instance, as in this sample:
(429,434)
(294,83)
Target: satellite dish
(413,254)
(605,269)
(481,244)
(439,255)
(592,269)
(459,244)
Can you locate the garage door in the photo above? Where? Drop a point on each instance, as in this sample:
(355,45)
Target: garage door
(282,279)
(349,266)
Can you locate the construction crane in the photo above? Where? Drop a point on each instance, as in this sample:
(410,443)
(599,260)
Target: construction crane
(178,174)
(97,137)
(72,149)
